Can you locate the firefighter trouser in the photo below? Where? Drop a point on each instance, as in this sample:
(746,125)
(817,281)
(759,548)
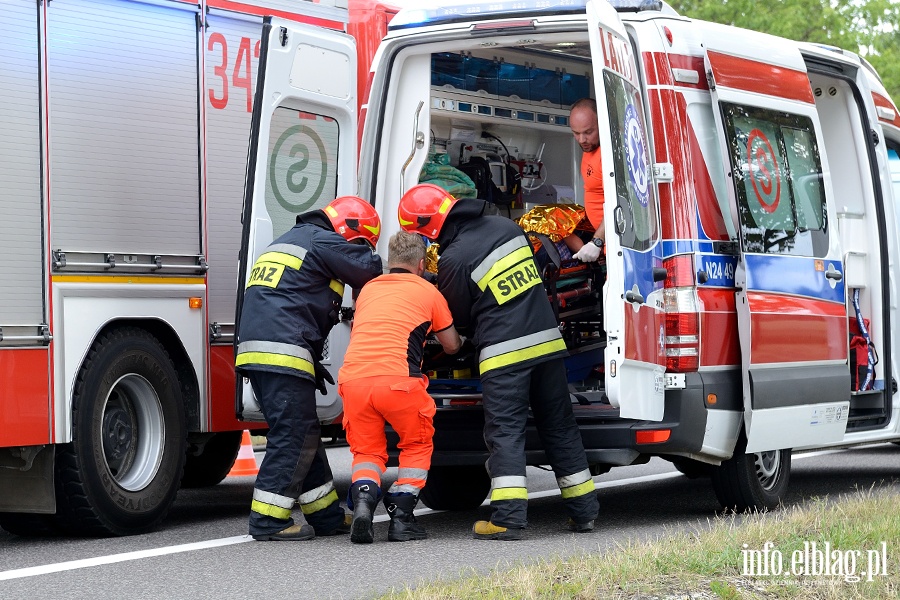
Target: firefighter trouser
(506,400)
(295,468)
(406,405)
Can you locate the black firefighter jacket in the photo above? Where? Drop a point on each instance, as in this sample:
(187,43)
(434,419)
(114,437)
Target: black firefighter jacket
(293,296)
(487,273)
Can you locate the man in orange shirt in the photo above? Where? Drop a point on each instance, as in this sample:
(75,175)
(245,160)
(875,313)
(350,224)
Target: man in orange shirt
(382,380)
(583,123)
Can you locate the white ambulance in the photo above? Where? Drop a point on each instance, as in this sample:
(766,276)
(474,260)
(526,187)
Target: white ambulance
(748,308)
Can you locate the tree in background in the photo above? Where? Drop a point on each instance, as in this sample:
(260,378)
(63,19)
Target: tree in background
(869,27)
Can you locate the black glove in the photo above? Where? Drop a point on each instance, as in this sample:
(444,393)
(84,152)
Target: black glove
(322,375)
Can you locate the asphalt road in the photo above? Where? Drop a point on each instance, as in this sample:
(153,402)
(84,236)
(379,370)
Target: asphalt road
(201,551)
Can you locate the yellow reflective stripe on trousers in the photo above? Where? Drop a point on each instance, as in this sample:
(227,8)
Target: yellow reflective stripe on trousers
(520,349)
(576,484)
(271,504)
(577,490)
(276,354)
(509,487)
(337,287)
(511,493)
(319,504)
(270,510)
(316,493)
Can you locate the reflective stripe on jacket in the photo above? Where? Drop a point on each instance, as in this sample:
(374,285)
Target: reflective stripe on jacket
(293,296)
(487,273)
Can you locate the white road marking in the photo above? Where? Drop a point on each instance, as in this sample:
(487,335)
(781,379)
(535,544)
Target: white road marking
(240,539)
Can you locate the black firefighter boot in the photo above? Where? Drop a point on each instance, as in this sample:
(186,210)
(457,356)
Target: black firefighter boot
(403,527)
(364,496)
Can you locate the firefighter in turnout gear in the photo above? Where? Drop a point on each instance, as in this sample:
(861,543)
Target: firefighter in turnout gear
(486,271)
(381,380)
(291,302)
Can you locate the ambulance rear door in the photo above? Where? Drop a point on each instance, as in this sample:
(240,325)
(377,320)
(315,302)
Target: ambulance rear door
(790,292)
(302,156)
(634,316)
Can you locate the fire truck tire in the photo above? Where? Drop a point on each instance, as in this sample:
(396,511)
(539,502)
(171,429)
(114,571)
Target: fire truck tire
(456,487)
(748,482)
(213,463)
(120,473)
(29,524)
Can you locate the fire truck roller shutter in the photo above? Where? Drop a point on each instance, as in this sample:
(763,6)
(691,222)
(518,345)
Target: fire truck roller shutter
(21,289)
(120,473)
(125,152)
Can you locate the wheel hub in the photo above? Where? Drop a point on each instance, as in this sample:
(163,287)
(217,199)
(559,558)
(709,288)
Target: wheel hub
(133,433)
(768,467)
(117,433)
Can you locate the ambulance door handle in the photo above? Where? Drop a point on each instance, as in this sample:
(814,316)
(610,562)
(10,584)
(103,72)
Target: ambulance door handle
(418,144)
(659,274)
(635,297)
(836,275)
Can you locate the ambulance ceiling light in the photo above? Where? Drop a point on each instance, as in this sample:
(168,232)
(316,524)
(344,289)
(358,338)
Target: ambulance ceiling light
(436,12)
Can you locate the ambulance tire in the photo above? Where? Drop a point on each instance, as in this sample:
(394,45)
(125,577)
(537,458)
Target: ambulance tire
(692,469)
(456,487)
(214,462)
(120,473)
(752,482)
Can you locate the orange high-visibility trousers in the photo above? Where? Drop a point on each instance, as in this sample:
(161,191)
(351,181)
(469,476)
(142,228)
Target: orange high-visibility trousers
(405,404)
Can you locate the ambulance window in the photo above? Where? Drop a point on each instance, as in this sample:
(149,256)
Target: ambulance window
(632,164)
(894,166)
(303,152)
(778,181)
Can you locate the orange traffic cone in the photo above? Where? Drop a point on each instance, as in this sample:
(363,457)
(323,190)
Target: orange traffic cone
(245,463)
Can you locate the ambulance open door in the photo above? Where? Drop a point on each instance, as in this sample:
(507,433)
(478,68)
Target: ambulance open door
(789,278)
(302,155)
(634,316)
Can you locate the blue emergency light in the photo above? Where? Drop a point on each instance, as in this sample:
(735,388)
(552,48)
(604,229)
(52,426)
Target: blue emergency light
(493,9)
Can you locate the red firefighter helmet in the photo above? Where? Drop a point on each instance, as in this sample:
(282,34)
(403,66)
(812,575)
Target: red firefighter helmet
(354,218)
(423,209)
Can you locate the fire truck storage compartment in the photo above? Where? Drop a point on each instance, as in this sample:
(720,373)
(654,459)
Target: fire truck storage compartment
(124,128)
(508,108)
(21,272)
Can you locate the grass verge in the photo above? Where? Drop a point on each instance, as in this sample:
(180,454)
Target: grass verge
(725,561)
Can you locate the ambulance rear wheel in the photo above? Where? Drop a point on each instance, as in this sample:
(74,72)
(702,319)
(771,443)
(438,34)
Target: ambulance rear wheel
(212,464)
(748,482)
(120,473)
(456,487)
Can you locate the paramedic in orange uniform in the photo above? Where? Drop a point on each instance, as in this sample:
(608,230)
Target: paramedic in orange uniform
(583,123)
(382,380)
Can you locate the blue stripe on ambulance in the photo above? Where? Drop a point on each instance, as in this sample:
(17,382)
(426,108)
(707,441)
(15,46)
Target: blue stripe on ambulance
(794,275)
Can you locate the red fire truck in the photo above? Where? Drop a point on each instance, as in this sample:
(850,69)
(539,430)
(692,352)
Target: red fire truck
(124,147)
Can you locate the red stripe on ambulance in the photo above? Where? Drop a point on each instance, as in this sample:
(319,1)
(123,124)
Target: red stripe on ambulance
(761,78)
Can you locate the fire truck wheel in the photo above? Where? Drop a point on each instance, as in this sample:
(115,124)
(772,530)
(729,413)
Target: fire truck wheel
(212,464)
(120,473)
(752,481)
(456,487)
(29,524)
